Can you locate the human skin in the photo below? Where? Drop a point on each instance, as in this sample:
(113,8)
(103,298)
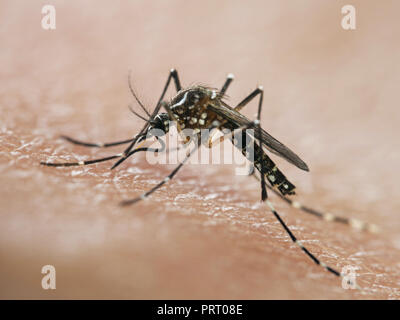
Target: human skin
(331,95)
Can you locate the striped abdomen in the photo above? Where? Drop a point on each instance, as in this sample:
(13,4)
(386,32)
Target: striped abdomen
(252,152)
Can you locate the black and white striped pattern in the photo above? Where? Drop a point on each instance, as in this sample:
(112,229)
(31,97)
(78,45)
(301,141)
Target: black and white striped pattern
(87,162)
(146,194)
(302,247)
(95,145)
(327,216)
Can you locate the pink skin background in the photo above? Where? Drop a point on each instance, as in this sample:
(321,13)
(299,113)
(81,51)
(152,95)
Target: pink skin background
(331,95)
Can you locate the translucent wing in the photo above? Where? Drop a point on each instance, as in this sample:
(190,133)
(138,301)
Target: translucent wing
(237,120)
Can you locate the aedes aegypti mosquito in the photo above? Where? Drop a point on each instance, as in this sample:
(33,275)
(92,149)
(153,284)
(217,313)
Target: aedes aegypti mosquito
(200,107)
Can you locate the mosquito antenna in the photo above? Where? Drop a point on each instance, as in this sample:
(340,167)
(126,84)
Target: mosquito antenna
(135,96)
(172,75)
(137,114)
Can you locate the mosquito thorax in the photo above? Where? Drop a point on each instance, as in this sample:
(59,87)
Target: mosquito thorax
(190,107)
(190,97)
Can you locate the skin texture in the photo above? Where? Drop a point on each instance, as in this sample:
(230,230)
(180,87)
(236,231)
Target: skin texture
(331,95)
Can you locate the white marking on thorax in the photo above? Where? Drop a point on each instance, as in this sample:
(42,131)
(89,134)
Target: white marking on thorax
(181,102)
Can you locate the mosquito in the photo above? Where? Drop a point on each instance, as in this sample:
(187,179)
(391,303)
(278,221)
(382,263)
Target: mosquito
(200,107)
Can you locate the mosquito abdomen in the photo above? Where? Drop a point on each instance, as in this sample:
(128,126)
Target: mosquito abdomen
(275,177)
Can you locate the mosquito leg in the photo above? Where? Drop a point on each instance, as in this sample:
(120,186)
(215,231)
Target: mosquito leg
(260,153)
(245,101)
(354,223)
(173,74)
(84,163)
(229,79)
(302,247)
(145,195)
(250,97)
(95,145)
(79,163)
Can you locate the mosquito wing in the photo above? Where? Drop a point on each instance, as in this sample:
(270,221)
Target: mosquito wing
(238,120)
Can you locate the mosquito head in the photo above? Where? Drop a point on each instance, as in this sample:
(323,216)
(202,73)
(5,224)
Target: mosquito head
(159,126)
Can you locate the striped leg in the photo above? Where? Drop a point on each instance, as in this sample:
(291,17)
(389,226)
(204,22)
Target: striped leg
(95,145)
(84,163)
(258,128)
(354,223)
(229,79)
(302,247)
(146,194)
(250,97)
(79,163)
